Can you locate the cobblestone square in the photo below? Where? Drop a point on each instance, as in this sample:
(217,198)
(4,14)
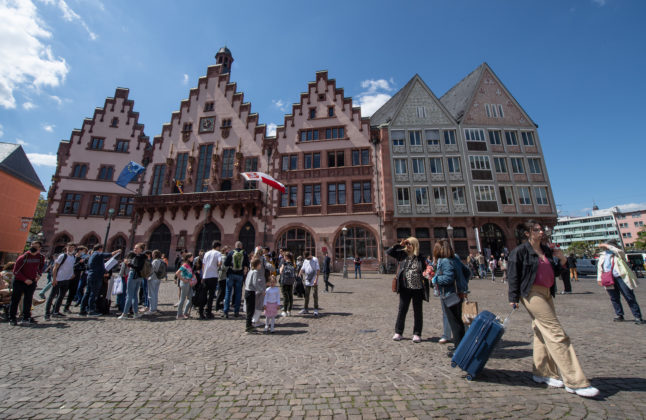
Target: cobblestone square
(342,365)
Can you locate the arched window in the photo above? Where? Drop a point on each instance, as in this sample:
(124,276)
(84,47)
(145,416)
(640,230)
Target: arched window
(519,233)
(90,241)
(208,234)
(160,239)
(118,243)
(359,241)
(60,243)
(297,241)
(248,237)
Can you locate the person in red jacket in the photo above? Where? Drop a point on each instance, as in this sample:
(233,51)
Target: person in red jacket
(28,269)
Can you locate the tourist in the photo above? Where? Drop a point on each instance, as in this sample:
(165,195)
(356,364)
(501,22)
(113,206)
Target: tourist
(143,291)
(212,262)
(238,262)
(613,260)
(6,282)
(299,289)
(159,272)
(62,274)
(49,264)
(531,282)
(81,268)
(135,279)
(571,263)
(222,280)
(357,266)
(287,280)
(123,276)
(187,280)
(310,274)
(492,268)
(252,286)
(28,269)
(271,303)
(409,285)
(95,272)
(326,269)
(482,268)
(502,263)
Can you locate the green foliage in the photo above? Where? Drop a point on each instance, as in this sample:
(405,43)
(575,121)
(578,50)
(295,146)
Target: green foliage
(640,243)
(581,249)
(39,214)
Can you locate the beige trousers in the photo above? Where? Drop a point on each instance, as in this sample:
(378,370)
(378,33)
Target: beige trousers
(554,355)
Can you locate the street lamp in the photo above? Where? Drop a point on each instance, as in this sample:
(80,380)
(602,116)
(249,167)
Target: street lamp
(107,230)
(449,231)
(207,207)
(345,262)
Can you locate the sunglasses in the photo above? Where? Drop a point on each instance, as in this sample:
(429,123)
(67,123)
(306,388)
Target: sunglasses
(538,230)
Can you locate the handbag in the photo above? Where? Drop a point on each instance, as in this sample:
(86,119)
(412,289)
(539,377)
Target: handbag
(117,286)
(607,279)
(451,300)
(193,281)
(427,288)
(394,285)
(469,311)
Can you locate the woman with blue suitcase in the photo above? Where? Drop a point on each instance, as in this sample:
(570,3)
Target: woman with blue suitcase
(531,273)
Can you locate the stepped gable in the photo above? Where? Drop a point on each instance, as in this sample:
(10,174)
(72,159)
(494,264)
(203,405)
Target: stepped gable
(14,161)
(306,98)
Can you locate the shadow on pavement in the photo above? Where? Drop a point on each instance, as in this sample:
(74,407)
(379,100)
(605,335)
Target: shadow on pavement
(46,324)
(511,353)
(509,343)
(324,314)
(280,331)
(609,386)
(293,324)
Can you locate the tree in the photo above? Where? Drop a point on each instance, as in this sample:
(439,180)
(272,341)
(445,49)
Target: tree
(582,249)
(39,214)
(640,243)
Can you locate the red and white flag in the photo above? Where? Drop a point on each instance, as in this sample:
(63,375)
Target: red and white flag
(264,178)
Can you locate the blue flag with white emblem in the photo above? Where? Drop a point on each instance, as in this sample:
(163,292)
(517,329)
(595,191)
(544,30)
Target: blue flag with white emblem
(129,172)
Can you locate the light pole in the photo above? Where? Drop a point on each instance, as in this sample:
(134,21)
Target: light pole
(207,207)
(449,231)
(107,230)
(345,262)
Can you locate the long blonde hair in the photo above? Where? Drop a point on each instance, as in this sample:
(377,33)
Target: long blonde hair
(415,243)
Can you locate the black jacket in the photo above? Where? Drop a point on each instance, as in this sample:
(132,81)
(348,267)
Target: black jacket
(397,252)
(522,267)
(137,264)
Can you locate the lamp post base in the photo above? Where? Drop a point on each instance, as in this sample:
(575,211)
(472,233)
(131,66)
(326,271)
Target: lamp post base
(345,271)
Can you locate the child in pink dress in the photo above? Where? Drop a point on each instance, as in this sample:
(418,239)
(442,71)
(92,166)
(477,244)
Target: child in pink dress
(271,303)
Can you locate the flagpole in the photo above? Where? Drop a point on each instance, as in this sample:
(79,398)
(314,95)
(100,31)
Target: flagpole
(264,233)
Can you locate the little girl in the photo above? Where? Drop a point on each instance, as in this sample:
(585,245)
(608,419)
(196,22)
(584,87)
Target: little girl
(271,303)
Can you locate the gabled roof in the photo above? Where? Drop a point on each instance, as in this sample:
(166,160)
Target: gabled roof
(14,161)
(388,110)
(457,99)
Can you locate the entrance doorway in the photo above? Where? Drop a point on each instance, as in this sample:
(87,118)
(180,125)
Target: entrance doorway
(248,237)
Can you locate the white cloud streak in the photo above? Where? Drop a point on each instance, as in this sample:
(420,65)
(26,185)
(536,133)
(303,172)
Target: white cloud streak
(70,15)
(22,142)
(28,105)
(42,159)
(271,129)
(278,103)
(599,3)
(185,79)
(49,127)
(25,60)
(374,95)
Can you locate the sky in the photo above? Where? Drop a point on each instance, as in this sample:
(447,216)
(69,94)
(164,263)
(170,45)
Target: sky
(575,66)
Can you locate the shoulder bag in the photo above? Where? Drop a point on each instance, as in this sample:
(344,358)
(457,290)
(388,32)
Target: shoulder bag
(607,279)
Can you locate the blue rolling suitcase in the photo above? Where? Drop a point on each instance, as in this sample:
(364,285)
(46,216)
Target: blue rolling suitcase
(478,343)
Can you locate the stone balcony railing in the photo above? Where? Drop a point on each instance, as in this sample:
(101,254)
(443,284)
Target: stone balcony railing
(191,199)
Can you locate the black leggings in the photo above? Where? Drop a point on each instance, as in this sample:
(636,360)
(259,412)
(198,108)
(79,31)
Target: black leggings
(288,297)
(405,296)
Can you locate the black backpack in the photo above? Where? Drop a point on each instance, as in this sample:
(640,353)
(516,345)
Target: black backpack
(288,276)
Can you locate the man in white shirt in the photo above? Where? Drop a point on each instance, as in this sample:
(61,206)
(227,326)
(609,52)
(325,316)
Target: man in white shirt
(212,262)
(62,275)
(310,274)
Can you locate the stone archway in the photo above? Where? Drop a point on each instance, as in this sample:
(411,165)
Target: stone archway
(493,238)
(297,240)
(160,239)
(209,233)
(248,237)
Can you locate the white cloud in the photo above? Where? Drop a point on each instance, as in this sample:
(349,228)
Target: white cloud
(42,159)
(599,3)
(28,105)
(56,99)
(374,95)
(70,16)
(278,103)
(271,129)
(25,60)
(21,142)
(185,79)
(49,127)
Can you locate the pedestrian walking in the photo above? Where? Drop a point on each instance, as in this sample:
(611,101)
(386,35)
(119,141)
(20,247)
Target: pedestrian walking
(571,262)
(287,280)
(326,269)
(135,279)
(212,262)
(357,266)
(310,274)
(27,270)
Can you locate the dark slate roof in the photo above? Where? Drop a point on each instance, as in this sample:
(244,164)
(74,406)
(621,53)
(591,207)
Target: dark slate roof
(387,111)
(14,161)
(224,50)
(457,98)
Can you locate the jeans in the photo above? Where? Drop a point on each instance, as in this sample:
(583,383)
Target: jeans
(47,286)
(132,293)
(211,284)
(250,302)
(315,288)
(454,316)
(143,293)
(482,271)
(58,293)
(357,271)
(326,279)
(446,327)
(121,298)
(405,296)
(621,288)
(234,281)
(20,289)
(80,289)
(153,292)
(71,295)
(288,297)
(94,283)
(185,298)
(219,298)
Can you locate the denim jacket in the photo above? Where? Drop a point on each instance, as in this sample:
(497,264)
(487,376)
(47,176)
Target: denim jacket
(451,272)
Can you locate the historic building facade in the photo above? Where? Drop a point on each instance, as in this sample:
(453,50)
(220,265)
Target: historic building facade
(83,198)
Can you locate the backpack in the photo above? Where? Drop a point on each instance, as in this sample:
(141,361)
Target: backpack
(288,277)
(237,259)
(161,269)
(147,269)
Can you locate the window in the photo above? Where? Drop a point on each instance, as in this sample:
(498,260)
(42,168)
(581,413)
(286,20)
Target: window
(627,235)
(435,165)
(361,192)
(288,198)
(421,112)
(312,113)
(636,216)
(454,165)
(335,194)
(335,133)
(125,206)
(432,137)
(204,168)
(511,138)
(227,162)
(158,178)
(484,193)
(180,168)
(106,173)
(449,137)
(500,164)
(99,205)
(415,138)
(506,195)
(335,159)
(209,106)
(187,128)
(365,156)
(500,112)
(122,146)
(401,168)
(72,203)
(439,196)
(312,160)
(541,196)
(517,166)
(360,157)
(79,170)
(421,196)
(534,165)
(96,143)
(403,198)
(459,197)
(290,162)
(330,111)
(494,137)
(312,195)
(355,158)
(226,123)
(528,138)
(638,224)
(114,122)
(398,137)
(523,196)
(625,225)
(488,110)
(479,162)
(309,135)
(494,110)
(474,134)
(418,165)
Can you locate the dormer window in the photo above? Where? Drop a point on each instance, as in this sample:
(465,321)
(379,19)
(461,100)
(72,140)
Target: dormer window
(312,113)
(188,127)
(330,111)
(115,122)
(209,106)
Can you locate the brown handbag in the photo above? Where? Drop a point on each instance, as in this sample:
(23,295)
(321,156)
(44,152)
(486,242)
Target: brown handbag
(394,284)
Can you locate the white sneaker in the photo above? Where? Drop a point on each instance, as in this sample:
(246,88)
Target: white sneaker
(303,311)
(397,337)
(283,314)
(289,313)
(587,392)
(176,304)
(123,316)
(316,312)
(417,339)
(553,382)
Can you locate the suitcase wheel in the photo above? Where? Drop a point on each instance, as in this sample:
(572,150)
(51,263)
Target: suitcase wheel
(453,364)
(469,378)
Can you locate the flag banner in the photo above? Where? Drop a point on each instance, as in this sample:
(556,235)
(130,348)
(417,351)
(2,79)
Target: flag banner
(180,186)
(264,178)
(129,172)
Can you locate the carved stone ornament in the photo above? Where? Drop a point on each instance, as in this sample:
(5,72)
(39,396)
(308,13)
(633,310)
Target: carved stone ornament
(186,136)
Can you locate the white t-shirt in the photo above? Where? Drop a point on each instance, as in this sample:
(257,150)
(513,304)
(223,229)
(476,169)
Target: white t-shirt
(310,266)
(272,295)
(66,269)
(211,262)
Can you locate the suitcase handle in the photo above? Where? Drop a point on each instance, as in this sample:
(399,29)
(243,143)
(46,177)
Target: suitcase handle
(504,323)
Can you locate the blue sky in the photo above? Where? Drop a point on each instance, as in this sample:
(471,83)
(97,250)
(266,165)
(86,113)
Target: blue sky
(576,66)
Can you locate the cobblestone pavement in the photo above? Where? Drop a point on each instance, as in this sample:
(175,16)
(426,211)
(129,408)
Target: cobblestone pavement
(341,365)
